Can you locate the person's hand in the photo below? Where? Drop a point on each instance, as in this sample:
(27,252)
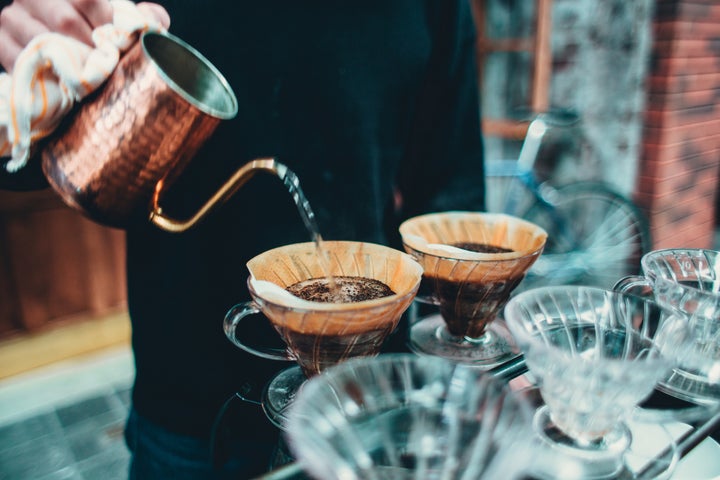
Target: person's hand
(24,19)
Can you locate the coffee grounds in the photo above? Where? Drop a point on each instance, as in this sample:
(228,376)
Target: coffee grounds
(347,289)
(481,247)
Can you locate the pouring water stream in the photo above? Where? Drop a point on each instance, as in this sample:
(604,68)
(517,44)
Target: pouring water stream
(292,182)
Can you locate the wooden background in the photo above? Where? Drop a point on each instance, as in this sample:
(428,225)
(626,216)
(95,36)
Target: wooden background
(57,269)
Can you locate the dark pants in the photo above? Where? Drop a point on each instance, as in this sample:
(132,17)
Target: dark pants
(159,454)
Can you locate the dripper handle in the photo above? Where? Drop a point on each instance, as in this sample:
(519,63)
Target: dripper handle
(634,285)
(227,190)
(686,412)
(233,318)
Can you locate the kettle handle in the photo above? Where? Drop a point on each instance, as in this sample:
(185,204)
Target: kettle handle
(227,190)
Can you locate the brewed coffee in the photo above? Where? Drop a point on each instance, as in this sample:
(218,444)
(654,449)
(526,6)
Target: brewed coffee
(481,247)
(347,289)
(316,352)
(468,307)
(471,263)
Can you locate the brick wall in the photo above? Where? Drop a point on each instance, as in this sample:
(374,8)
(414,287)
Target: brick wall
(678,179)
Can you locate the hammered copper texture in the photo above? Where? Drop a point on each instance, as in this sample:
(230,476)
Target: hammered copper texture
(134,132)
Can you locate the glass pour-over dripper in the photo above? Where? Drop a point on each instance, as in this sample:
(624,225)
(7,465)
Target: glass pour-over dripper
(472,262)
(687,279)
(405,417)
(318,335)
(595,355)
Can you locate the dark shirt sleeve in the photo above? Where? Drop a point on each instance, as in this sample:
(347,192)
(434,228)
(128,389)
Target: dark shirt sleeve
(443,166)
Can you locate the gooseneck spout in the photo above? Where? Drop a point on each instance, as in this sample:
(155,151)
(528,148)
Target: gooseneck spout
(227,190)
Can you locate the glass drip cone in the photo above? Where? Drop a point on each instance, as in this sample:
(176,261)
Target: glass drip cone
(689,280)
(318,335)
(403,416)
(472,262)
(596,355)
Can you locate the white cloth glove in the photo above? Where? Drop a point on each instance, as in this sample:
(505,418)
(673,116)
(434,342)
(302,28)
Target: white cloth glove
(54,72)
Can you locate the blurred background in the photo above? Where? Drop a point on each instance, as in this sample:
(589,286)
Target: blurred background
(643,78)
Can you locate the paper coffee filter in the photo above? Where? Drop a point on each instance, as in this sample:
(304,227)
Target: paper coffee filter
(273,271)
(433,233)
(287,265)
(274,293)
(427,238)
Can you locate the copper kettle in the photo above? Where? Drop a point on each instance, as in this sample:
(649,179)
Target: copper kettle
(116,155)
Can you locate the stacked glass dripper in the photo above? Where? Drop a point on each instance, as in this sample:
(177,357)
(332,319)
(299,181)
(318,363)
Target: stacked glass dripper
(403,417)
(689,280)
(595,355)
